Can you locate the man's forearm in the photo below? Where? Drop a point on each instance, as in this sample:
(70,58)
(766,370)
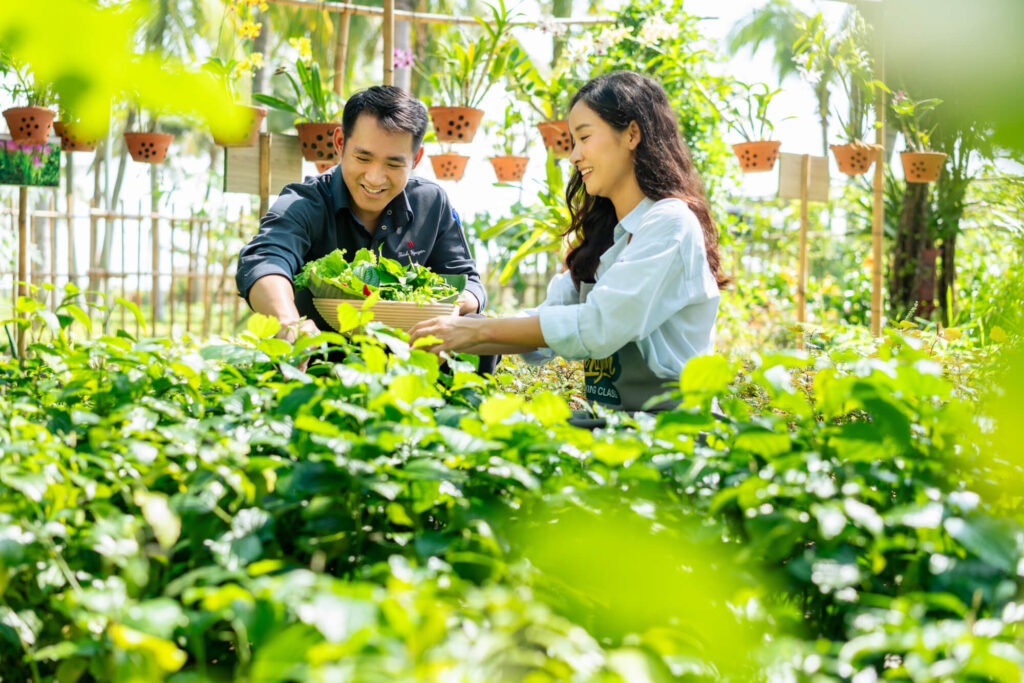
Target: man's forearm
(274,295)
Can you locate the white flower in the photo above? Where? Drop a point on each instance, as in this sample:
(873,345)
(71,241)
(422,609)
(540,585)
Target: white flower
(578,49)
(547,24)
(656,30)
(609,36)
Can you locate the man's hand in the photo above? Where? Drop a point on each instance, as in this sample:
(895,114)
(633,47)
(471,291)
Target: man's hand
(300,328)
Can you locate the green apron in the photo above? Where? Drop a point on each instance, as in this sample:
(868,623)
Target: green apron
(622,381)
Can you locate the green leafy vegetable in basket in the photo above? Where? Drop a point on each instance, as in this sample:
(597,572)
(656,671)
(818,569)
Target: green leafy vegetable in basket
(332,277)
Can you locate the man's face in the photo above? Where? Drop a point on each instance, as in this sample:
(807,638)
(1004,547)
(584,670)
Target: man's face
(375,164)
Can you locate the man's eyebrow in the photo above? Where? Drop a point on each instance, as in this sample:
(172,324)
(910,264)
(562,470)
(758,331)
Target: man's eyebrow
(367,153)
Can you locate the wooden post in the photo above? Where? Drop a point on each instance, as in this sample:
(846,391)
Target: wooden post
(341,52)
(52,223)
(170,289)
(22,288)
(801,273)
(264,173)
(70,195)
(878,209)
(155,295)
(207,304)
(389,42)
(190,279)
(124,271)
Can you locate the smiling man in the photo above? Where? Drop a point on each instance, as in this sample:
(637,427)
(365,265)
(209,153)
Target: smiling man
(367,201)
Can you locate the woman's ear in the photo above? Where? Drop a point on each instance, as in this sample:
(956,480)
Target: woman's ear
(633,136)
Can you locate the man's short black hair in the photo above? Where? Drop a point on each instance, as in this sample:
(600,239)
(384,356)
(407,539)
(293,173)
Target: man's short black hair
(394,108)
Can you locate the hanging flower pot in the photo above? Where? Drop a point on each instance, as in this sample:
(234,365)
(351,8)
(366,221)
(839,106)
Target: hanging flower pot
(318,141)
(448,166)
(244,136)
(757,156)
(29,125)
(922,167)
(854,158)
(556,137)
(455,124)
(150,148)
(322,166)
(509,169)
(71,140)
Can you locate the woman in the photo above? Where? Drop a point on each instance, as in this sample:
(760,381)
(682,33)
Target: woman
(640,296)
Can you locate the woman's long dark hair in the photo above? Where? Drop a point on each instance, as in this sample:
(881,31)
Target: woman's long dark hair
(662,162)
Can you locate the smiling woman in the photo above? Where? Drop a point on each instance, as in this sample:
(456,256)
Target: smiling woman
(640,296)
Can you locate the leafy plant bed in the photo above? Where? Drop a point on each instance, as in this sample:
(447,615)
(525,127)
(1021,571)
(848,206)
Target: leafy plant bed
(173,511)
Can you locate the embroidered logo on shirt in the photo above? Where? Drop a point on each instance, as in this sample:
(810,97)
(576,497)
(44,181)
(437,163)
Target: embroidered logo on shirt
(599,376)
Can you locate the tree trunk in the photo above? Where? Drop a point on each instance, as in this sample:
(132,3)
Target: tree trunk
(912,238)
(262,45)
(947,279)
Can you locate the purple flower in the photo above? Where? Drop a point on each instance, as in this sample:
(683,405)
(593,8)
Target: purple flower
(37,161)
(403,58)
(899,96)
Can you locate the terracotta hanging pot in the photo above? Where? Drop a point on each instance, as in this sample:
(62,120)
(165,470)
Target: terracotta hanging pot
(854,158)
(150,148)
(29,125)
(448,166)
(556,137)
(252,118)
(71,140)
(757,156)
(922,167)
(455,124)
(318,141)
(509,169)
(322,166)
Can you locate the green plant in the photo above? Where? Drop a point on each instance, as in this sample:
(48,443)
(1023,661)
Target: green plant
(545,90)
(513,134)
(314,100)
(368,274)
(233,57)
(24,86)
(748,110)
(912,118)
(467,69)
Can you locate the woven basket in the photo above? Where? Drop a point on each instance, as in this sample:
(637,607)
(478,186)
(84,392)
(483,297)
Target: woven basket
(401,315)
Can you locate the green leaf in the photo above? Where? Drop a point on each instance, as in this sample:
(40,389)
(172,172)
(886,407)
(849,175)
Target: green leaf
(348,317)
(165,523)
(706,375)
(263,326)
(496,409)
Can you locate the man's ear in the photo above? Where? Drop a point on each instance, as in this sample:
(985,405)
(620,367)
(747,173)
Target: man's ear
(339,140)
(633,135)
(416,159)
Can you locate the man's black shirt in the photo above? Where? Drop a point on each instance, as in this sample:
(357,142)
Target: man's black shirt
(313,218)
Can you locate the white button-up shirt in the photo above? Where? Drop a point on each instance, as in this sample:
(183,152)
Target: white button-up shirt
(655,289)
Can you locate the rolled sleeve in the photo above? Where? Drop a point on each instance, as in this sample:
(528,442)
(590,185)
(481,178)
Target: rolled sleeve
(451,255)
(286,232)
(561,293)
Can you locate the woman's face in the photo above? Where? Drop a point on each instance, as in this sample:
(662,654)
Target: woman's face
(602,155)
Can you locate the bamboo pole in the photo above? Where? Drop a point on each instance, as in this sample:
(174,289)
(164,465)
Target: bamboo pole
(264,173)
(190,280)
(878,208)
(801,273)
(389,42)
(341,52)
(170,289)
(22,287)
(155,295)
(426,17)
(52,224)
(207,304)
(124,275)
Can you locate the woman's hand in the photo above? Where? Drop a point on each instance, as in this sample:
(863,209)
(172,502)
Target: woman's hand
(457,332)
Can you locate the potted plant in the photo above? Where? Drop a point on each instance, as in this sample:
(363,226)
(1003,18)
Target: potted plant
(512,138)
(74,137)
(147,145)
(548,94)
(239,126)
(448,165)
(853,67)
(920,164)
(29,124)
(316,107)
(465,73)
(749,118)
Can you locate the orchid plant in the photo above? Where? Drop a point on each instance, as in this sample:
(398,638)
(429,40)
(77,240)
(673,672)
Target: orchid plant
(24,85)
(748,111)
(911,116)
(233,57)
(314,100)
(513,138)
(467,68)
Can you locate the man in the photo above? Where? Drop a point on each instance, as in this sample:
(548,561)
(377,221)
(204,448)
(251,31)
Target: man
(367,201)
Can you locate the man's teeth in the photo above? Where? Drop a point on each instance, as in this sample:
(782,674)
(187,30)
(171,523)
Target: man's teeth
(373,191)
